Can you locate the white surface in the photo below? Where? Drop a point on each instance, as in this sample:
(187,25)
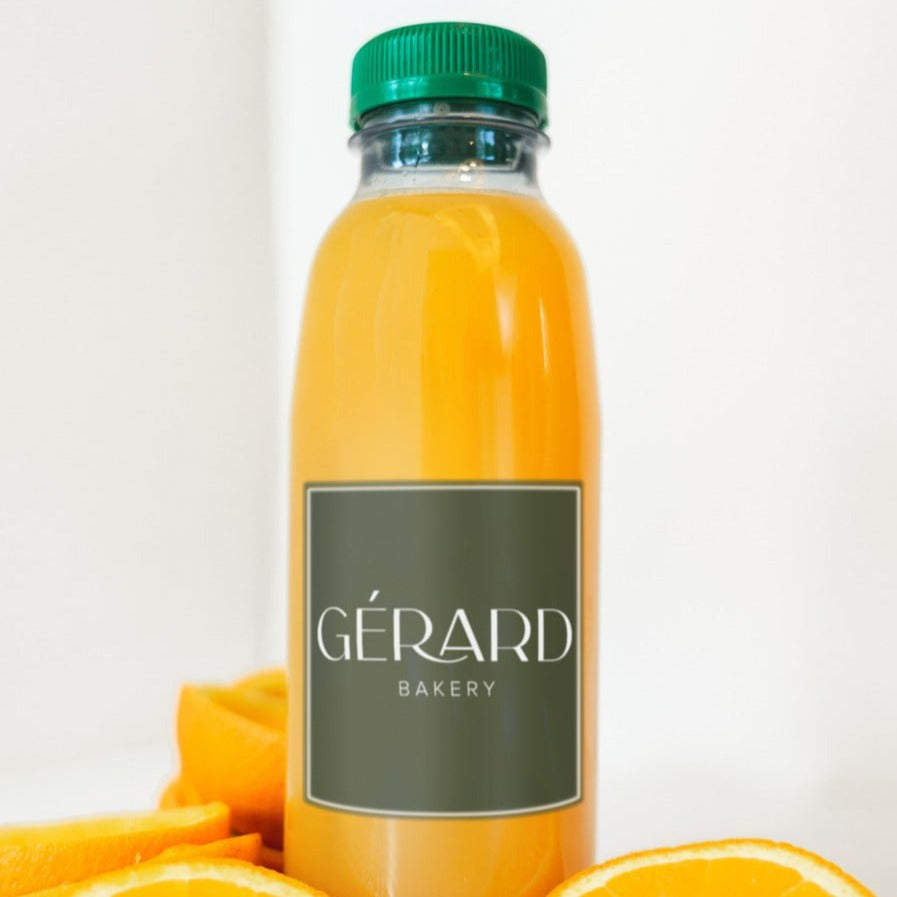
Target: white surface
(728,171)
(137,380)
(120,781)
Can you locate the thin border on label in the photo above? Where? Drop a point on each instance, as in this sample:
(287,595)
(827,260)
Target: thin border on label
(489,486)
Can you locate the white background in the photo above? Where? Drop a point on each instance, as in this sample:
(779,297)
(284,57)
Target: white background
(728,170)
(137,365)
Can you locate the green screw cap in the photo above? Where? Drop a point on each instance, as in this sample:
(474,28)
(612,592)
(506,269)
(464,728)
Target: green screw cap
(446,61)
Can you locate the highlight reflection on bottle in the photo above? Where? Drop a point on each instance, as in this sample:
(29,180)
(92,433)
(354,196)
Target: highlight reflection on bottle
(444,497)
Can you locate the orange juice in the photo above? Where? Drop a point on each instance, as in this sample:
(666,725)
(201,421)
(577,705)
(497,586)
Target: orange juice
(443,570)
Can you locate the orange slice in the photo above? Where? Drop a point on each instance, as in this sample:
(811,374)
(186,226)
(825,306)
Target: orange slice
(242,847)
(233,749)
(719,869)
(196,878)
(42,856)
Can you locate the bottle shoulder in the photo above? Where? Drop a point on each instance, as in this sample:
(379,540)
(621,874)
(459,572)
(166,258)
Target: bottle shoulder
(489,229)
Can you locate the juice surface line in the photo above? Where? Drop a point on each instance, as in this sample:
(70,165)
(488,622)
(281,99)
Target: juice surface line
(443,549)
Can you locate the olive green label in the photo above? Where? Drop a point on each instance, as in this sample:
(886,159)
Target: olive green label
(443,647)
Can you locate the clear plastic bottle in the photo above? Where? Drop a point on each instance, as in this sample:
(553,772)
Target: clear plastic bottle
(443,619)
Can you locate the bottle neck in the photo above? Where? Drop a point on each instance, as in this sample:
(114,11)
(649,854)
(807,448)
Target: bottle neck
(452,145)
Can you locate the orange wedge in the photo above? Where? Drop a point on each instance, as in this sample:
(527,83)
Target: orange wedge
(196,878)
(179,793)
(718,869)
(42,856)
(271,858)
(233,749)
(272,682)
(259,706)
(242,847)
